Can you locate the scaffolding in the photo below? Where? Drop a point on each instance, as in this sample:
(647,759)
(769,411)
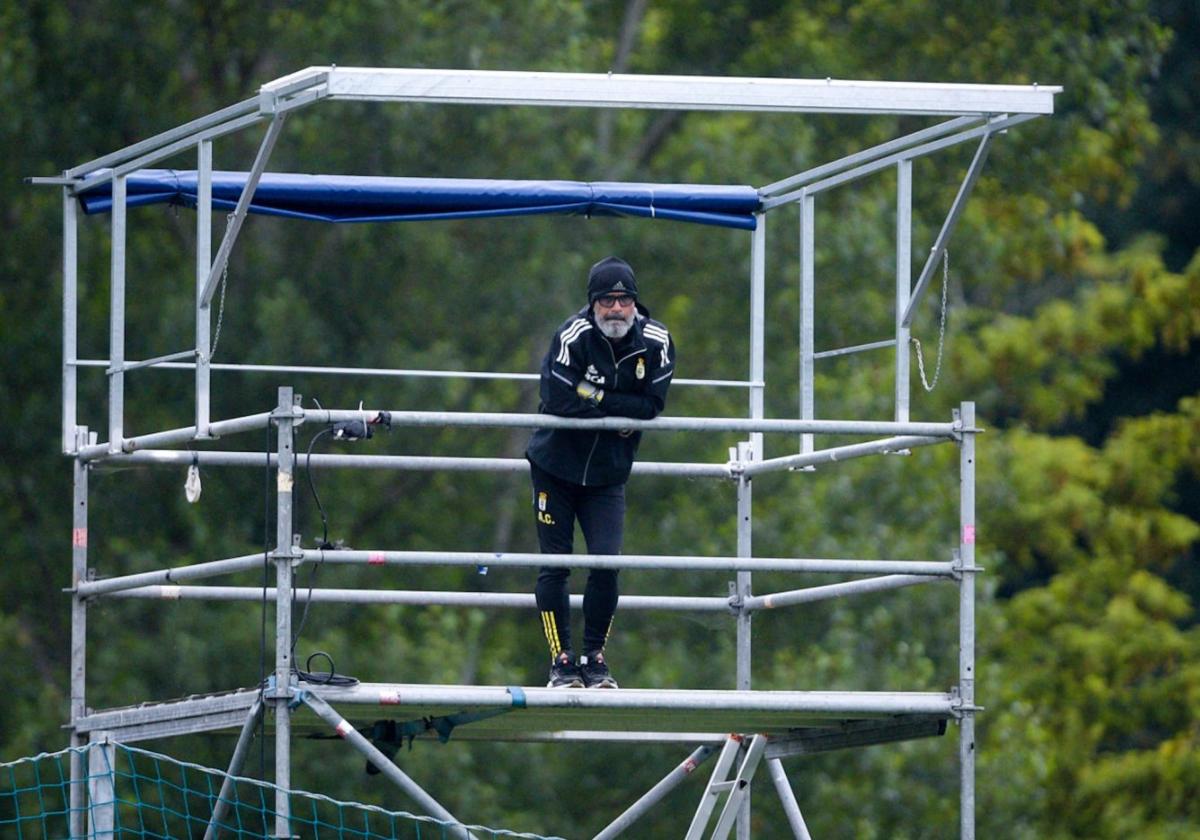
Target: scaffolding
(767,725)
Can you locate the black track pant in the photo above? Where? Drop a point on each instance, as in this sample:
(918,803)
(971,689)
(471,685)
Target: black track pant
(601,514)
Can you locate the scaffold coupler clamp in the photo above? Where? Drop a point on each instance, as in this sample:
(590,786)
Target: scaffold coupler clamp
(272,691)
(295,412)
(739,456)
(294,553)
(959,429)
(959,706)
(958,568)
(736,602)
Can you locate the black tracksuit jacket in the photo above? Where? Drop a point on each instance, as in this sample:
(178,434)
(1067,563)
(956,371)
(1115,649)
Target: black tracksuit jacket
(635,374)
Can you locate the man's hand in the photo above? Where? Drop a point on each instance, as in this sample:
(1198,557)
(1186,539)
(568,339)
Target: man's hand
(589,392)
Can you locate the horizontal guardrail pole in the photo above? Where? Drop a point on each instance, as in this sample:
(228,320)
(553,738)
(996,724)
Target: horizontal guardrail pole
(178,457)
(624,561)
(674,424)
(545,421)
(847,702)
(181,435)
(400,372)
(834,590)
(516,560)
(841,453)
(413,597)
(196,571)
(858,348)
(157,360)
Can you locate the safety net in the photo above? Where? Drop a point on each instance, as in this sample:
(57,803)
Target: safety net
(125,792)
(362,198)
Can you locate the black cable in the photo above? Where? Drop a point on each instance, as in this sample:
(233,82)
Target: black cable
(313,487)
(330,677)
(312,575)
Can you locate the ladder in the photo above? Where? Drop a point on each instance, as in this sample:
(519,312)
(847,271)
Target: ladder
(737,788)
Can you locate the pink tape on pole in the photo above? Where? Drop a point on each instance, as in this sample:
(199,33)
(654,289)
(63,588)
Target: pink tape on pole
(375,558)
(343,728)
(968,535)
(389,698)
(79,537)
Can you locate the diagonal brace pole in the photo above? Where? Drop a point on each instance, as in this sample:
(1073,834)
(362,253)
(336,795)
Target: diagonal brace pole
(656,794)
(243,205)
(225,797)
(865,156)
(788,799)
(943,237)
(359,741)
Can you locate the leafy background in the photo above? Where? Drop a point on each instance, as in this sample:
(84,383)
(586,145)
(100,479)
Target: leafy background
(1073,324)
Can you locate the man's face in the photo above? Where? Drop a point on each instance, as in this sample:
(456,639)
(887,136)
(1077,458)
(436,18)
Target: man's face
(614,314)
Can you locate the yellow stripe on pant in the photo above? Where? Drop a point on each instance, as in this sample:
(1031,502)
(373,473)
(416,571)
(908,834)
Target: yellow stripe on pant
(550,626)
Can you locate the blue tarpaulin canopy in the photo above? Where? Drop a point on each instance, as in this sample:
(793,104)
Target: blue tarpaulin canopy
(357,198)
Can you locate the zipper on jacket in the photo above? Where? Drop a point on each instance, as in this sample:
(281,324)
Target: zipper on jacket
(588,462)
(617,363)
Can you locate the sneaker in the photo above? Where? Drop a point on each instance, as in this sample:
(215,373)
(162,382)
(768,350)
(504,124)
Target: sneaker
(594,670)
(564,673)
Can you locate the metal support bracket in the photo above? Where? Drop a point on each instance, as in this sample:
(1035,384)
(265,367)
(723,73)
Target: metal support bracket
(272,691)
(958,569)
(736,602)
(295,413)
(273,98)
(242,208)
(958,706)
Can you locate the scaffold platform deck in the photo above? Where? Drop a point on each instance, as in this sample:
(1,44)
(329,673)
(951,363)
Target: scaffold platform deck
(508,713)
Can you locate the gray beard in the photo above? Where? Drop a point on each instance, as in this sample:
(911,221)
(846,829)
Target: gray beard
(616,328)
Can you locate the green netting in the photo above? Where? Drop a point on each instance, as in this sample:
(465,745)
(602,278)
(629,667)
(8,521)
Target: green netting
(136,793)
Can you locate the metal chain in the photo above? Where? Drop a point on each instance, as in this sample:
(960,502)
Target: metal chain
(212,351)
(929,386)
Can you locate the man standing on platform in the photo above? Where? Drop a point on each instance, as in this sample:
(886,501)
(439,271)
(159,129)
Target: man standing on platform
(609,359)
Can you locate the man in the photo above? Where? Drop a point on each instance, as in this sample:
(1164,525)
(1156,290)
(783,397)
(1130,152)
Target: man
(609,359)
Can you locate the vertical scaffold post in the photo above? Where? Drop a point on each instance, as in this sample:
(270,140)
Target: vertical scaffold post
(751,452)
(79,561)
(903,283)
(70,336)
(807,312)
(758,308)
(745,548)
(966,648)
(102,787)
(285,430)
(116,319)
(204,153)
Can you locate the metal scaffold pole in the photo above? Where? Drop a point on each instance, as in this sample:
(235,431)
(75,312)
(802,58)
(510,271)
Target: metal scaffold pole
(283,608)
(79,561)
(966,650)
(743,591)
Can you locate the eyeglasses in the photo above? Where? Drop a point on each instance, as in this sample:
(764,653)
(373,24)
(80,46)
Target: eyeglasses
(609,301)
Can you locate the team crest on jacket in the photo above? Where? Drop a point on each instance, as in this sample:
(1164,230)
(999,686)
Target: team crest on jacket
(640,370)
(542,497)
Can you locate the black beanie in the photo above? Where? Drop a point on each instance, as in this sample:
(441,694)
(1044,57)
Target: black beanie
(611,275)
